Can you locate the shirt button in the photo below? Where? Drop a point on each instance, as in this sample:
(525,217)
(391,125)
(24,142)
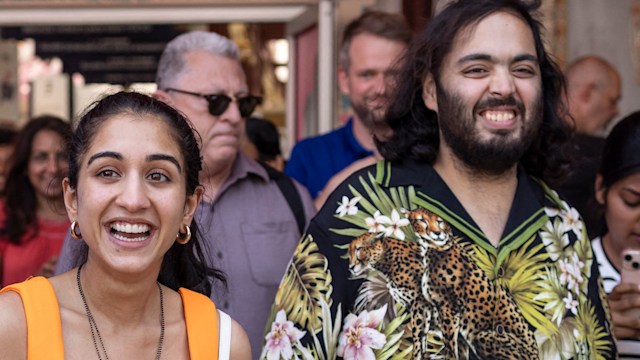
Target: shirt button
(500,271)
(499,329)
(219,254)
(225,305)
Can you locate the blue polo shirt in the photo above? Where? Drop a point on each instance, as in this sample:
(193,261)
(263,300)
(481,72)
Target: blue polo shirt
(316,159)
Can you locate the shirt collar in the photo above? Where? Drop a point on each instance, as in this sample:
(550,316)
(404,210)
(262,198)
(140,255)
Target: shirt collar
(243,167)
(527,206)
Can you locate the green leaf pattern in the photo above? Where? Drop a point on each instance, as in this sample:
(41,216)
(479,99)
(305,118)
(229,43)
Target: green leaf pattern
(552,296)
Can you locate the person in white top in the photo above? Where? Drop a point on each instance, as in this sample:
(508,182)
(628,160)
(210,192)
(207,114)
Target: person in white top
(617,190)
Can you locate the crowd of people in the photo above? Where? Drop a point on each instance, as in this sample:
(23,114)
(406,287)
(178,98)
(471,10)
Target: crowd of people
(470,208)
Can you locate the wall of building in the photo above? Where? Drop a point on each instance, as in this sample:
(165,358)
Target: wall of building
(606,28)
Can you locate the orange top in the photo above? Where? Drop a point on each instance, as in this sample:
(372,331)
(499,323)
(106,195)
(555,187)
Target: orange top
(44,328)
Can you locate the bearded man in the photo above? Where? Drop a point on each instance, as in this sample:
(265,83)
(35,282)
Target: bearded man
(455,234)
(371,45)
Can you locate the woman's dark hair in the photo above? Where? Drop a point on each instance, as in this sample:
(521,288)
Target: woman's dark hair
(621,152)
(415,127)
(183,265)
(21,203)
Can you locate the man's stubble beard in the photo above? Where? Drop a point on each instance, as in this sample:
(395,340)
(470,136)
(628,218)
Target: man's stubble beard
(373,119)
(366,115)
(491,157)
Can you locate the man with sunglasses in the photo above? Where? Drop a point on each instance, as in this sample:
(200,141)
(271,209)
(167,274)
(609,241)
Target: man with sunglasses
(251,230)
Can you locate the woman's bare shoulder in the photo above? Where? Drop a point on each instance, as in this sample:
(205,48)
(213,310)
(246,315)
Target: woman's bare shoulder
(240,347)
(13,342)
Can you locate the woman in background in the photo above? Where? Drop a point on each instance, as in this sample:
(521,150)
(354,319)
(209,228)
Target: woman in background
(33,222)
(618,192)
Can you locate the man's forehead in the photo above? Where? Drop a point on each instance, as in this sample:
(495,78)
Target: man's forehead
(499,36)
(370,50)
(469,30)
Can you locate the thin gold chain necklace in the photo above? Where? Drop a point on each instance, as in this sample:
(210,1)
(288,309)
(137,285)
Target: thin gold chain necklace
(94,326)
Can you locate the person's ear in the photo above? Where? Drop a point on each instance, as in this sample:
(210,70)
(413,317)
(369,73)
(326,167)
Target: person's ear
(429,93)
(163,96)
(600,190)
(586,93)
(191,204)
(343,81)
(70,197)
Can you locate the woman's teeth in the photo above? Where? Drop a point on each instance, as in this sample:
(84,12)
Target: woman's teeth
(130,232)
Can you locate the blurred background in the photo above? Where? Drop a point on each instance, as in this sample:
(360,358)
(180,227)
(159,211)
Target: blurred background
(57,56)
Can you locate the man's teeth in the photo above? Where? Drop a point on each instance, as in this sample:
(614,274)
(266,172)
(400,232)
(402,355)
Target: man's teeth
(130,228)
(499,116)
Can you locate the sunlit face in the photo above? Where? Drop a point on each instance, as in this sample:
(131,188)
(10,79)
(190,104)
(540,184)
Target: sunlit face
(621,204)
(130,200)
(488,97)
(369,78)
(211,74)
(47,165)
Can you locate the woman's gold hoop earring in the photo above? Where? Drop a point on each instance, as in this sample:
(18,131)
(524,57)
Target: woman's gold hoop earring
(75,231)
(184,235)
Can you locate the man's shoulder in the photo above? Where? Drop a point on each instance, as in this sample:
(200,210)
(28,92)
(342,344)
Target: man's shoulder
(383,174)
(551,197)
(276,177)
(269,183)
(331,138)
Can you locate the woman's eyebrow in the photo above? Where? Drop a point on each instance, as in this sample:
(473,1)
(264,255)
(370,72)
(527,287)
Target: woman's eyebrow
(165,157)
(108,154)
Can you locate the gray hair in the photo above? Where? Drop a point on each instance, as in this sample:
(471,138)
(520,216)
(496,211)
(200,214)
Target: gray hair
(171,64)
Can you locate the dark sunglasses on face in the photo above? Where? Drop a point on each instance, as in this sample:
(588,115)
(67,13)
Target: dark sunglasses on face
(218,103)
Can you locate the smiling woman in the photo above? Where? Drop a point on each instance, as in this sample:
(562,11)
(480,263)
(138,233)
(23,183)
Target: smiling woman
(32,219)
(131,194)
(617,190)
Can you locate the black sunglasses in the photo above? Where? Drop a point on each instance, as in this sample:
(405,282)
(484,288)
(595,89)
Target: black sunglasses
(218,103)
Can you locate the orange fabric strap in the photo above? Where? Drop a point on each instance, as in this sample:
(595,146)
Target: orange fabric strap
(44,328)
(201,320)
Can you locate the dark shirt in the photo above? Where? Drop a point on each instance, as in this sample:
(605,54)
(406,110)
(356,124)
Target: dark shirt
(399,249)
(315,160)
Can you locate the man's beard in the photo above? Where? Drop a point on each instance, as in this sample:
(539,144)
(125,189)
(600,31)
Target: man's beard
(373,119)
(367,115)
(488,157)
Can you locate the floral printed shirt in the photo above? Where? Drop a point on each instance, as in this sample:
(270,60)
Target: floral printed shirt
(393,267)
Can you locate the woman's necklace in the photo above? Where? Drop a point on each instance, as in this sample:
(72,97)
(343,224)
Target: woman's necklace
(94,326)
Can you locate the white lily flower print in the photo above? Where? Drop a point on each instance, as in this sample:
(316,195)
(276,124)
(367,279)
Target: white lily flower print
(281,339)
(348,206)
(571,304)
(376,223)
(359,335)
(395,223)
